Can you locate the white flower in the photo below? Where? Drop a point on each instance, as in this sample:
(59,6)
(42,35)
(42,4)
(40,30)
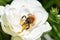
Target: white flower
(24,19)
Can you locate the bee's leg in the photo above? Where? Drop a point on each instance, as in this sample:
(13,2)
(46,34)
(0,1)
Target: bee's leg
(28,27)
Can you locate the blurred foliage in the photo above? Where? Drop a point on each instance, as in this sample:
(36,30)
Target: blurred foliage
(4,36)
(47,3)
(4,2)
(58,3)
(53,19)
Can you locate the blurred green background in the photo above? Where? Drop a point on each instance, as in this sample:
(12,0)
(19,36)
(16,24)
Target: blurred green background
(53,8)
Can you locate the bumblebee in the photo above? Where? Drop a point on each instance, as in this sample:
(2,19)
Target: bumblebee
(27,22)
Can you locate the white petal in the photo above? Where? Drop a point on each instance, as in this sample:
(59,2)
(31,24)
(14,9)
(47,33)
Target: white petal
(6,27)
(16,38)
(18,4)
(13,17)
(41,14)
(1,10)
(37,32)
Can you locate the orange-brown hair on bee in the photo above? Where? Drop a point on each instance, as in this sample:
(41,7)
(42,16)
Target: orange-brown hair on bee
(32,19)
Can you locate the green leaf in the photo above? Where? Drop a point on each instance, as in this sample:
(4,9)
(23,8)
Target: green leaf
(4,36)
(3,2)
(47,3)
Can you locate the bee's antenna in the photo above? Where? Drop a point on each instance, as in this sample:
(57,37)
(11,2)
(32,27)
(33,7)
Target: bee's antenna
(23,16)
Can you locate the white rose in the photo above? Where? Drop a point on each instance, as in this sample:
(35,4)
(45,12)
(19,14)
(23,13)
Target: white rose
(24,19)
